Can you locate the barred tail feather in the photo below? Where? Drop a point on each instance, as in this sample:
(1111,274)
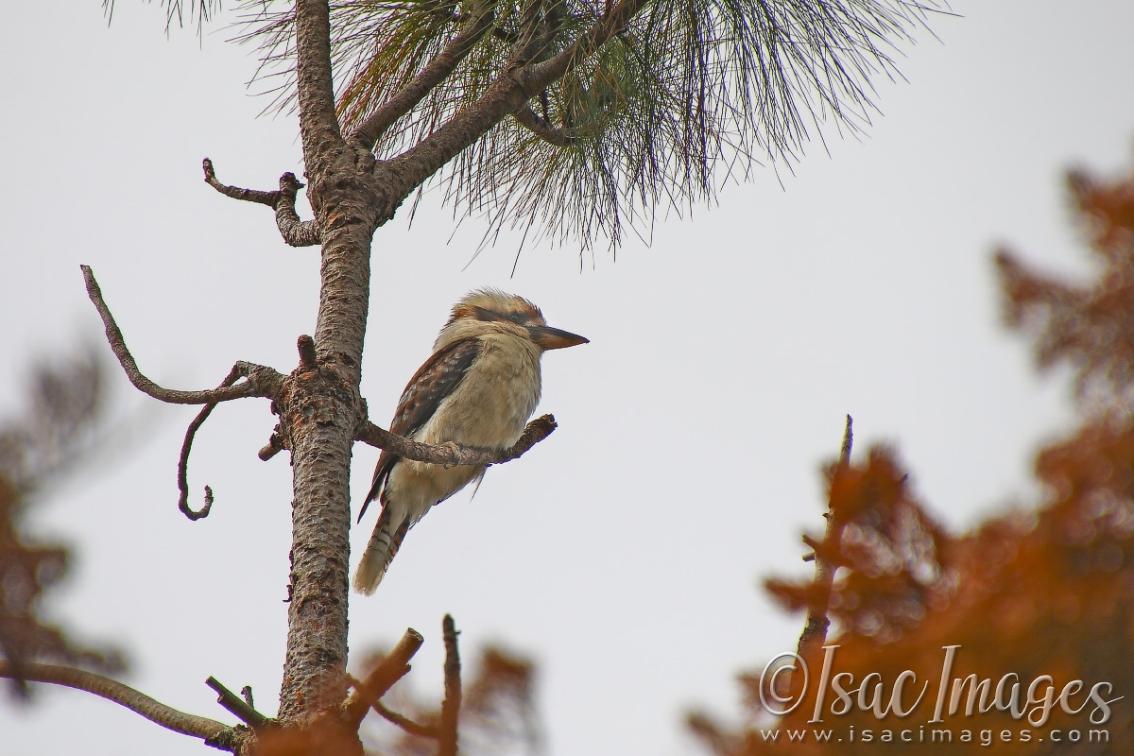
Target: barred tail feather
(388,534)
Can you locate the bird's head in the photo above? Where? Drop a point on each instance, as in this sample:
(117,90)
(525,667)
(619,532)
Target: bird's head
(494,311)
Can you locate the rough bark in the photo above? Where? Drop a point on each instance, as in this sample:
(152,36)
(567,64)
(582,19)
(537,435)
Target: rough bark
(320,406)
(319,414)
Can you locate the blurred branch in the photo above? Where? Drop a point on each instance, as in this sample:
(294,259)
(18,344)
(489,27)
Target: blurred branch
(387,672)
(407,724)
(451,705)
(261,381)
(47,443)
(295,232)
(815,628)
(455,454)
(214,733)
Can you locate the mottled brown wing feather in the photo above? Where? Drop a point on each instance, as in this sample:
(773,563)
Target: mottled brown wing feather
(432,382)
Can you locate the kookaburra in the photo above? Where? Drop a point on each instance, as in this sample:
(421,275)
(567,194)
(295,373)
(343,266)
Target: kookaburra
(478,388)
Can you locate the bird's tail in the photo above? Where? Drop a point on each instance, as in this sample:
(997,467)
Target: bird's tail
(388,534)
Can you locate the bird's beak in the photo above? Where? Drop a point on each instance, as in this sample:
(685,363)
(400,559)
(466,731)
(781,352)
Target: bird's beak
(547,337)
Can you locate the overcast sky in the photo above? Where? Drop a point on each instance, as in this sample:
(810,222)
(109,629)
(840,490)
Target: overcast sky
(625,552)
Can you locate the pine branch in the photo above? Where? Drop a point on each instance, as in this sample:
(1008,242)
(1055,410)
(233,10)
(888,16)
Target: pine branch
(370,131)
(507,94)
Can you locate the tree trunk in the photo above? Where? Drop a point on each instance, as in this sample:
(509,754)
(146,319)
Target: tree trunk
(320,407)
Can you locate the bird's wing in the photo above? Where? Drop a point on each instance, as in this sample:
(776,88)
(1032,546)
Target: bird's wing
(432,382)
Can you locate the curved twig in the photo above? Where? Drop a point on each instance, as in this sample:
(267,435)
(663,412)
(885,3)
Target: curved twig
(451,704)
(261,381)
(214,733)
(450,454)
(187,446)
(295,232)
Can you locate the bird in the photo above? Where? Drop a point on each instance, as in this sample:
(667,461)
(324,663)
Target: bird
(478,388)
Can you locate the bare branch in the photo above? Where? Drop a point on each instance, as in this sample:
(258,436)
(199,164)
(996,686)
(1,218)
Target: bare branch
(259,380)
(404,722)
(237,706)
(295,232)
(550,133)
(214,733)
(387,672)
(451,704)
(433,73)
(455,454)
(235,192)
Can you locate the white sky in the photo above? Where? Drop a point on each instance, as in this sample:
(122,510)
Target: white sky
(624,553)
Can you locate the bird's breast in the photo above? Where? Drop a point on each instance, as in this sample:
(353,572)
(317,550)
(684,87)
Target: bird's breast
(493,401)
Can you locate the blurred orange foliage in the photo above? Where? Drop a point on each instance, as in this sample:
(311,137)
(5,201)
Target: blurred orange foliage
(36,450)
(1031,601)
(498,712)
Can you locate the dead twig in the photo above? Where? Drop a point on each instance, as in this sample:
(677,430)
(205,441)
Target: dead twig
(259,380)
(295,232)
(187,446)
(274,446)
(246,694)
(240,708)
